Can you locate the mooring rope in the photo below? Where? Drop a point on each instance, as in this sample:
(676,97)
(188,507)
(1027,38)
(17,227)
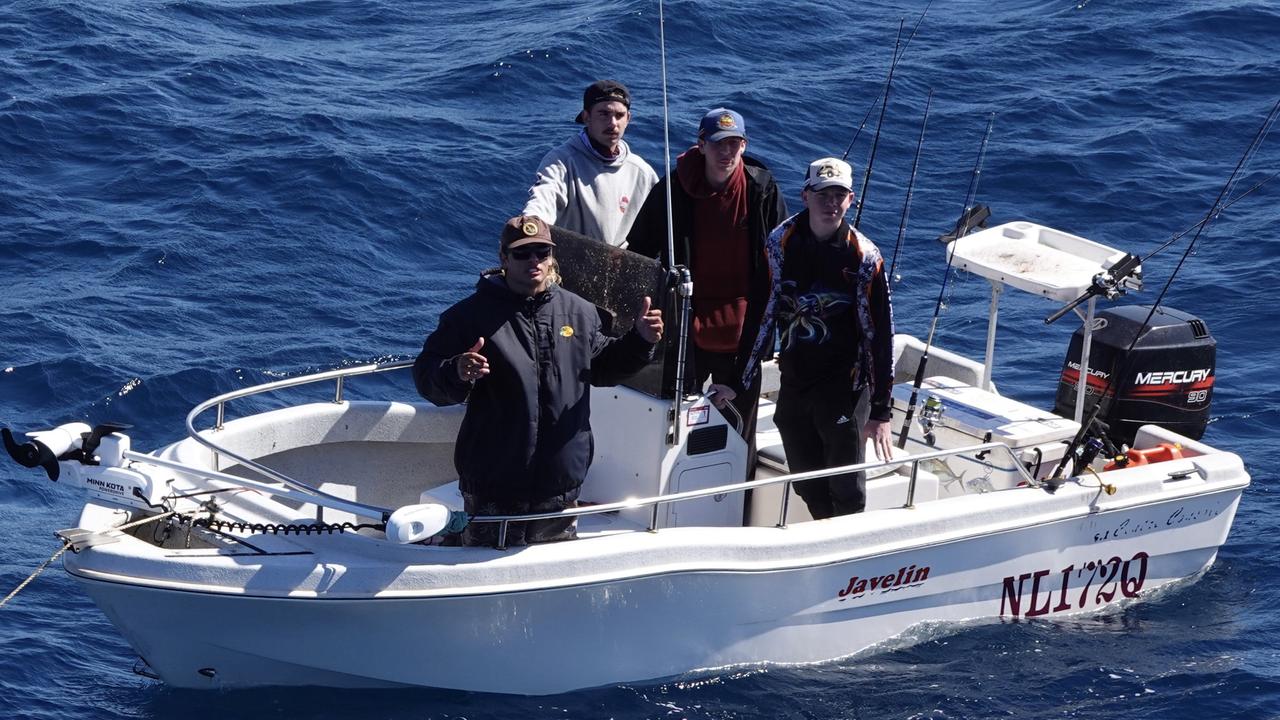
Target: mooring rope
(67,546)
(32,576)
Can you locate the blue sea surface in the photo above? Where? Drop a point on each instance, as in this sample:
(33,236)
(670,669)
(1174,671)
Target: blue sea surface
(201,196)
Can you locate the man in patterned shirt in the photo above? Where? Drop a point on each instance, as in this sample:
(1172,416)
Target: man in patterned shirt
(830,304)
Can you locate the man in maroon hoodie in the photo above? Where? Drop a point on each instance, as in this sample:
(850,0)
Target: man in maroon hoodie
(723,206)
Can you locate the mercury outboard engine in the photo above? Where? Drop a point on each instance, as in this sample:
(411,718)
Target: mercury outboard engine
(1165,380)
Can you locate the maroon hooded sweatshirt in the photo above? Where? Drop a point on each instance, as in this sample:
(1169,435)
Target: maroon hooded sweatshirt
(720,251)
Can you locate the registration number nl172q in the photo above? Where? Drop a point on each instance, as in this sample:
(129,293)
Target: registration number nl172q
(1092,584)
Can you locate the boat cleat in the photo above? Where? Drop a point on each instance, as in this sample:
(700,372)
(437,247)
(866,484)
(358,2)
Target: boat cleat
(81,538)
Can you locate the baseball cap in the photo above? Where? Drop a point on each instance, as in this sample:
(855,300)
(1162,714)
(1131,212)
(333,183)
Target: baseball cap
(603,91)
(525,230)
(829,172)
(721,123)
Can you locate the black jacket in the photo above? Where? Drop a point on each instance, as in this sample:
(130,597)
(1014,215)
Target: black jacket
(526,435)
(766,208)
(838,289)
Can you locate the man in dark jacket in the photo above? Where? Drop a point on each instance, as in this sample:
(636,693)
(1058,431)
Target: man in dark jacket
(521,352)
(723,206)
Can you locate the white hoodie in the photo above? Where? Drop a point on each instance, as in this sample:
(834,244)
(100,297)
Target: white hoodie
(577,189)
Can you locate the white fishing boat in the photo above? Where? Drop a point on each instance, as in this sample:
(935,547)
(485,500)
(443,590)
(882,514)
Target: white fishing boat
(300,546)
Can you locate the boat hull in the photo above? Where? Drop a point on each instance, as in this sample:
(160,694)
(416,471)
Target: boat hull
(670,619)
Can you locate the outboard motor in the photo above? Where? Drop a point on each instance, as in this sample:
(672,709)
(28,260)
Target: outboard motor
(1167,376)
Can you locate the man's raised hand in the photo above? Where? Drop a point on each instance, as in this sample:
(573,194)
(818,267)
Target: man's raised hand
(471,365)
(649,322)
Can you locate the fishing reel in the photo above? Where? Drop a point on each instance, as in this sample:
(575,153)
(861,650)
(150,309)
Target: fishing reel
(1089,452)
(1124,275)
(930,414)
(1120,278)
(1092,440)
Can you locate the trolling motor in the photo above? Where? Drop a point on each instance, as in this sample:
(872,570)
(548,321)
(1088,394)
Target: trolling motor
(45,448)
(96,458)
(100,459)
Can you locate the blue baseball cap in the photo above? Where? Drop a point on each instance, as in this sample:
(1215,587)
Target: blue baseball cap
(721,123)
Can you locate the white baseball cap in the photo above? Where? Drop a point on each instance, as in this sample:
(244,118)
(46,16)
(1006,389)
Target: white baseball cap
(829,172)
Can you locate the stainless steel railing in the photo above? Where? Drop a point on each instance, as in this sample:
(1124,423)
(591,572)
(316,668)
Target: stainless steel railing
(220,402)
(655,503)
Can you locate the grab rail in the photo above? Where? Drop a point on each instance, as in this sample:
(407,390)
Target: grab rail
(220,402)
(654,502)
(657,501)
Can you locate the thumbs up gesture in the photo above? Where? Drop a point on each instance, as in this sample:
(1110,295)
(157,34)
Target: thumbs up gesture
(471,365)
(649,322)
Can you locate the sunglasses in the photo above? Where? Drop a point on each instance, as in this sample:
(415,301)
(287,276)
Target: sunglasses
(524,253)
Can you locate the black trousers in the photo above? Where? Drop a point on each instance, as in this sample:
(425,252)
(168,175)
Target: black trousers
(520,533)
(821,427)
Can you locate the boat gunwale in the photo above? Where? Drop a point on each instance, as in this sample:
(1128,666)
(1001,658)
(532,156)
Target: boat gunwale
(528,586)
(655,502)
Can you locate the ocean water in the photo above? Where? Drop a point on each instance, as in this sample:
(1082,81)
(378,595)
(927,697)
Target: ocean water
(200,196)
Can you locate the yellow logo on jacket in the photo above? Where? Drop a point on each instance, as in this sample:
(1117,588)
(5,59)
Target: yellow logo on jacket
(566,331)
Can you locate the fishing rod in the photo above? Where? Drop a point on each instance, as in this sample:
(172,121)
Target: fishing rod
(1204,220)
(1110,282)
(971,217)
(678,276)
(683,279)
(911,183)
(897,56)
(884,106)
(1214,211)
(666,130)
(875,142)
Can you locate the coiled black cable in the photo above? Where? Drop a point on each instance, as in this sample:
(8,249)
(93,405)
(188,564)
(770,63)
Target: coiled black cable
(277,528)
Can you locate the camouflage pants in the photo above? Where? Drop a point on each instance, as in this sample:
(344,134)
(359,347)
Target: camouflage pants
(519,533)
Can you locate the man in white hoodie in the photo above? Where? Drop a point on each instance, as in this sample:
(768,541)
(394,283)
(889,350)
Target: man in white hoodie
(593,184)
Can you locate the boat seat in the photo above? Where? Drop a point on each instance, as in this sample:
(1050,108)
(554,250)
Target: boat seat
(447,495)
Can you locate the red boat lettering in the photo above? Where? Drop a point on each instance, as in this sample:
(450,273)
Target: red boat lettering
(1102,580)
(905,576)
